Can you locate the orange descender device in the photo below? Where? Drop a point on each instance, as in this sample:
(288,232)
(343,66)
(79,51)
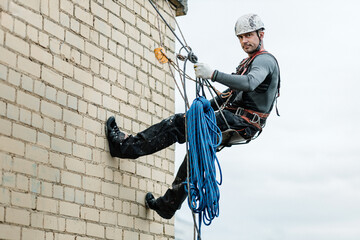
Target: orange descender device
(160,55)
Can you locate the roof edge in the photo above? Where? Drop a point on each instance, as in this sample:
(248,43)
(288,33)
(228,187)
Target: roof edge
(181,7)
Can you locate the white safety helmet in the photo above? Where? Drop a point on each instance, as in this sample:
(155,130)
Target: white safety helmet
(248,23)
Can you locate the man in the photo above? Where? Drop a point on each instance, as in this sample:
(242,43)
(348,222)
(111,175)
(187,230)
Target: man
(245,106)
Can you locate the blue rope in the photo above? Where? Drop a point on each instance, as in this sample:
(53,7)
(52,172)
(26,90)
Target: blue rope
(204,137)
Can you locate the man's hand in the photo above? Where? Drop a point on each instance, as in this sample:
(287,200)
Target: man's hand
(203,70)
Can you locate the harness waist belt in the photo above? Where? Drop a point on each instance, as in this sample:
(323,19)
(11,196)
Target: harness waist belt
(256,118)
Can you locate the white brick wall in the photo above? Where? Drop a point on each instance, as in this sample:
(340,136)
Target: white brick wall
(65,67)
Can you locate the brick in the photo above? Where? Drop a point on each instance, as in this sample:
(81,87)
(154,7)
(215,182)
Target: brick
(143,26)
(108,217)
(128,69)
(64,20)
(51,77)
(5,126)
(24,133)
(128,16)
(112,61)
(75,40)
(119,37)
(83,15)
(102,27)
(12,112)
(7,92)
(27,83)
(10,232)
(89,214)
(144,117)
(7,21)
(17,44)
(63,66)
(125,221)
(144,171)
(41,55)
(94,50)
(130,235)
(54,29)
(158,175)
(141,224)
(29,66)
(69,194)
(83,76)
(11,145)
(110,189)
(127,193)
(60,145)
(67,6)
(44,7)
(92,125)
(37,220)
(32,33)
(74,25)
(69,209)
(127,165)
(110,103)
(91,184)
(72,102)
(75,165)
(20,28)
(29,16)
(58,192)
(81,151)
(28,101)
(17,216)
(29,234)
(92,96)
(3,71)
(36,153)
(72,118)
(73,87)
(35,186)
(25,166)
(71,179)
(98,10)
(33,4)
(2,214)
(75,226)
(51,110)
(95,230)
(94,170)
(7,57)
(4,193)
(79,196)
(156,228)
(49,174)
(54,223)
(54,10)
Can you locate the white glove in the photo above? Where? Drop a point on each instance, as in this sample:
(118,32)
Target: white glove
(202,70)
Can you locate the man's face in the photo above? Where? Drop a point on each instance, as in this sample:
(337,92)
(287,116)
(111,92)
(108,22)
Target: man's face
(249,41)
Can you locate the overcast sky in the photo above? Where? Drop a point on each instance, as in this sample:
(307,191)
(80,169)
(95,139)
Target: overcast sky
(300,180)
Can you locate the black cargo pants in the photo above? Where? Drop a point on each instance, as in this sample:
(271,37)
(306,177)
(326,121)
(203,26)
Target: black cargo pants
(166,133)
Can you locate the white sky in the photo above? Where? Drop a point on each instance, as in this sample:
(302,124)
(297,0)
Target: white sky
(301,178)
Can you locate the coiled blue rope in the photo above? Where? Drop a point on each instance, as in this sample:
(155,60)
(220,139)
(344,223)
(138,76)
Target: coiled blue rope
(204,137)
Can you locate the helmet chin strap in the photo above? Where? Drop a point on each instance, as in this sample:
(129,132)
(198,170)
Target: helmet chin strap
(260,43)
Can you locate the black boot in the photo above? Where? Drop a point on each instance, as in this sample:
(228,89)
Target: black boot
(167,205)
(114,136)
(150,202)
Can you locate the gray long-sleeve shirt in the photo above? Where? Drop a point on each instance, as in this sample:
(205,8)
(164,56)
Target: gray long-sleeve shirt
(257,88)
